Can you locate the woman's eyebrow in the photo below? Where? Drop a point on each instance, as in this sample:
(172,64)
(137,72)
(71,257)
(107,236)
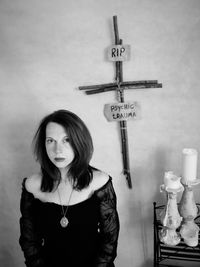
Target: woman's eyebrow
(53,138)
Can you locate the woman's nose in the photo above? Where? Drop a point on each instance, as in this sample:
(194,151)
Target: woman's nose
(58,148)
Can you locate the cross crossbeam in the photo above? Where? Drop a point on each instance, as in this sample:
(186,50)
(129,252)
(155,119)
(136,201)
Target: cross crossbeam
(101,88)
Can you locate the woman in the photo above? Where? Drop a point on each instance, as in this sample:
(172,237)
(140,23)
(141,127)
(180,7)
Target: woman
(69,215)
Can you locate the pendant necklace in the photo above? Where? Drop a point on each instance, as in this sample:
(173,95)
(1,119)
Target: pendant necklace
(64,221)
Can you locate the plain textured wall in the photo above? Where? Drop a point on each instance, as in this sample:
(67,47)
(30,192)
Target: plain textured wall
(48,49)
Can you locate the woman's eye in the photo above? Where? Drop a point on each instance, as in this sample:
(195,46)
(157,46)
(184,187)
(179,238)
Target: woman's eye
(66,140)
(49,141)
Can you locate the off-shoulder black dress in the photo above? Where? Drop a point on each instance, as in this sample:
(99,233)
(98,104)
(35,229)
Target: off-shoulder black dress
(89,240)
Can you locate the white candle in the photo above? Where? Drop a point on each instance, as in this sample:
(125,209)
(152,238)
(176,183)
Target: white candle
(189,165)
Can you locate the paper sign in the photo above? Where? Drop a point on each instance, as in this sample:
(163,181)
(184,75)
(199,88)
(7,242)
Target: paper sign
(119,52)
(122,111)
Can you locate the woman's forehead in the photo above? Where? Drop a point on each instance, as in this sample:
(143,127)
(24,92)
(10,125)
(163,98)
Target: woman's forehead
(54,129)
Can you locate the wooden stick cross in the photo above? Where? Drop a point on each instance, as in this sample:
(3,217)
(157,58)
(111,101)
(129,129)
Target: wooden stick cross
(119,86)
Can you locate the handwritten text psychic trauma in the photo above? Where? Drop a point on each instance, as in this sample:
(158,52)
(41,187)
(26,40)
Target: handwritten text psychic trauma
(122,111)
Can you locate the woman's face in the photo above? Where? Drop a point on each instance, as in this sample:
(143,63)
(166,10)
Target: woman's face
(58,147)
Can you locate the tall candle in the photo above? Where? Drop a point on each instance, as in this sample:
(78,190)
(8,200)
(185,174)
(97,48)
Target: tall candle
(189,165)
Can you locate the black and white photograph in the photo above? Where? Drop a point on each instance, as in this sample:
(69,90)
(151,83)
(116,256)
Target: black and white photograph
(100,133)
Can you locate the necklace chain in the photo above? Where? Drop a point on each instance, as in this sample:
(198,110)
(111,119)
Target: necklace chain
(65,222)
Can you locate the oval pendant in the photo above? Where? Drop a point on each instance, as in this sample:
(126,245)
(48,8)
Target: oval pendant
(64,222)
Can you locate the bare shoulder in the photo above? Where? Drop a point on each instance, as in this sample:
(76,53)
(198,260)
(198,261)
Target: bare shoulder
(99,179)
(33,183)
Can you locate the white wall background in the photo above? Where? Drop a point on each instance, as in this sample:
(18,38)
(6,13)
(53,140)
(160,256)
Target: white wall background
(48,49)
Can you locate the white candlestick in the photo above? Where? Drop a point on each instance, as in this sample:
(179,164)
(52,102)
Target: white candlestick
(189,165)
(171,181)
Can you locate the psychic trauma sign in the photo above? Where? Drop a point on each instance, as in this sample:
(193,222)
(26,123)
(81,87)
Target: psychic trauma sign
(122,111)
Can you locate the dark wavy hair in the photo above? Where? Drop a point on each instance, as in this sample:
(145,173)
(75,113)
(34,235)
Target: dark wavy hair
(80,172)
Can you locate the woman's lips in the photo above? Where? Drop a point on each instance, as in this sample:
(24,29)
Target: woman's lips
(59,159)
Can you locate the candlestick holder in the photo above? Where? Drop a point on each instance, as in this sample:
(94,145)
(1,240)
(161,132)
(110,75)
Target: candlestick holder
(164,188)
(170,218)
(190,183)
(188,210)
(187,206)
(172,183)
(189,231)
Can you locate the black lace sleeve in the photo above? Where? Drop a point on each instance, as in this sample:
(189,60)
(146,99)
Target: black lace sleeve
(29,240)
(109,225)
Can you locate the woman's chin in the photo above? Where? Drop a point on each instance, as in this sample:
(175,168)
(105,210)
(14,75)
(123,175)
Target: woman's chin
(61,165)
